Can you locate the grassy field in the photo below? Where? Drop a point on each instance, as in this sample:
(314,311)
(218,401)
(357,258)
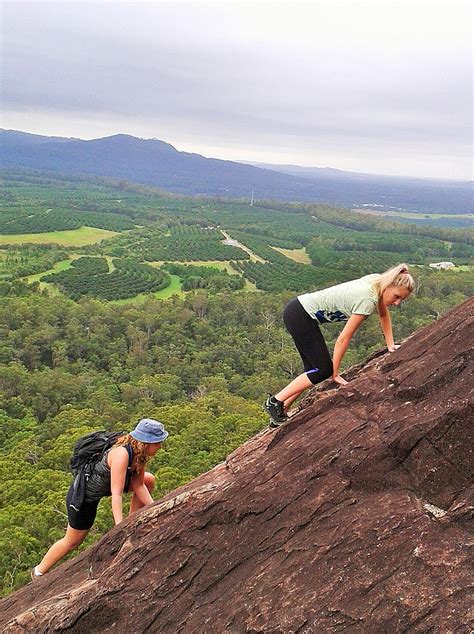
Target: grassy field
(173,289)
(73,238)
(218,264)
(59,266)
(298,255)
(222,265)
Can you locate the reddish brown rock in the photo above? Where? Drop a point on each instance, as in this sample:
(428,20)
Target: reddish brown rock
(352,517)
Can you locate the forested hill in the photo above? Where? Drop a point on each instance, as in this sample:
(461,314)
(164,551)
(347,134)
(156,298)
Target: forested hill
(353,516)
(154,162)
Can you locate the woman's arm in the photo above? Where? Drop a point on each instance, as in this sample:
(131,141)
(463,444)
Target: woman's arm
(118,463)
(386,324)
(139,488)
(342,344)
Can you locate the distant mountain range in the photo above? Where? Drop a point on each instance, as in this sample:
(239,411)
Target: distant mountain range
(154,162)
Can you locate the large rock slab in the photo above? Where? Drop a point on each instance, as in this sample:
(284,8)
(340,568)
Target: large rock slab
(352,517)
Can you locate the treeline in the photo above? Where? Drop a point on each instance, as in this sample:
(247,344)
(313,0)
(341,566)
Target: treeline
(42,221)
(29,259)
(365,222)
(208,277)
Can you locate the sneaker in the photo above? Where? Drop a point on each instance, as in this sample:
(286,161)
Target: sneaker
(273,425)
(274,409)
(34,576)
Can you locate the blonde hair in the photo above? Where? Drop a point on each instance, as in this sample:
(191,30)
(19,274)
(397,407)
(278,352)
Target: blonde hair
(140,454)
(397,276)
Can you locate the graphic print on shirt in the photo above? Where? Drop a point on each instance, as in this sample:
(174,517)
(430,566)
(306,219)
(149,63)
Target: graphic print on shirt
(325,317)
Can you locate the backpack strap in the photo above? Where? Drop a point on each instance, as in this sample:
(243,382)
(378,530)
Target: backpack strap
(128,477)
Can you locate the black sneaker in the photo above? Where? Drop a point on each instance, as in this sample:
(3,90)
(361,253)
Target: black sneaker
(274,409)
(273,425)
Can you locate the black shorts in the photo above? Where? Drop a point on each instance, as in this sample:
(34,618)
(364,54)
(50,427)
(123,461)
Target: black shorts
(309,341)
(84,518)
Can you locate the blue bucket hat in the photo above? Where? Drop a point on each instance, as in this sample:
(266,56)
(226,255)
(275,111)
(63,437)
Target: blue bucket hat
(149,430)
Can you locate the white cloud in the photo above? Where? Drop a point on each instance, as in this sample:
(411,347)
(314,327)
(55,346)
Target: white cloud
(287,82)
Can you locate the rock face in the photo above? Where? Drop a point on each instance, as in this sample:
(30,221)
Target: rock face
(352,517)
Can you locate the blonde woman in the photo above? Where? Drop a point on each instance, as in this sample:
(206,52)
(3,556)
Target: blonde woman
(110,477)
(351,302)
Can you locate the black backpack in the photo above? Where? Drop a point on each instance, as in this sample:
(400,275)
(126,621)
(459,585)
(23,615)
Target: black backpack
(88,450)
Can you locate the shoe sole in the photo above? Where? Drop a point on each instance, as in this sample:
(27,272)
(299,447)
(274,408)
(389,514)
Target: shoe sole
(274,425)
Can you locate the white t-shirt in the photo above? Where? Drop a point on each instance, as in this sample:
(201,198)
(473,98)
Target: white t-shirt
(338,303)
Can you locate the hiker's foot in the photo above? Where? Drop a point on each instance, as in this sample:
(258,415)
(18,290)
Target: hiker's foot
(273,425)
(34,574)
(274,409)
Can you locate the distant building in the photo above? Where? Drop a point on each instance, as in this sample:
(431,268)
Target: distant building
(442,265)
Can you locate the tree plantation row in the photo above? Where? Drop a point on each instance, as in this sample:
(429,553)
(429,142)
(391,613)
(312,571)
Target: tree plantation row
(91,276)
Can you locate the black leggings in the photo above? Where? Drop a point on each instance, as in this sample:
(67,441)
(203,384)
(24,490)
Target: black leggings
(309,341)
(83,518)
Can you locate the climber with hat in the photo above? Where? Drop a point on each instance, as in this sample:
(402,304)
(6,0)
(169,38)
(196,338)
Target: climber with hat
(119,469)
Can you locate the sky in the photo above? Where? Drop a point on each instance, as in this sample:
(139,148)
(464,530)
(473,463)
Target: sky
(379,87)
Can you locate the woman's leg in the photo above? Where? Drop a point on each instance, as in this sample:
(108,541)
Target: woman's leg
(313,350)
(291,392)
(149,482)
(79,524)
(62,547)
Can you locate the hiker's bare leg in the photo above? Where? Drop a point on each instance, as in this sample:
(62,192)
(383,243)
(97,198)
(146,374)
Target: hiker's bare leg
(72,539)
(287,404)
(294,389)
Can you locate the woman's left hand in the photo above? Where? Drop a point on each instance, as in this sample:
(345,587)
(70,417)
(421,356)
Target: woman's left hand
(393,348)
(339,380)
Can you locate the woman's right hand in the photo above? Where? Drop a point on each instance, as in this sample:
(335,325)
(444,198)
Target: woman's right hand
(337,378)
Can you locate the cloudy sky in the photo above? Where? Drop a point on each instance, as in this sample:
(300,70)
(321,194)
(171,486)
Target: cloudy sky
(381,87)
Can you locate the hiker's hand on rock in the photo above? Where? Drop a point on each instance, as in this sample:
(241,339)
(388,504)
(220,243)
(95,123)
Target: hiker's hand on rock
(393,348)
(338,379)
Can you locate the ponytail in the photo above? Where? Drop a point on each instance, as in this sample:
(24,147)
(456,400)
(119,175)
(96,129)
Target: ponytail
(397,276)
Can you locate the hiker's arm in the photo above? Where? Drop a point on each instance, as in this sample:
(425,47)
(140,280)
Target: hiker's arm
(118,472)
(342,344)
(386,324)
(139,488)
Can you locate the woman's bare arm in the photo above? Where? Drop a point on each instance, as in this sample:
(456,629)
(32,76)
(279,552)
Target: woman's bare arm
(386,324)
(118,463)
(342,343)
